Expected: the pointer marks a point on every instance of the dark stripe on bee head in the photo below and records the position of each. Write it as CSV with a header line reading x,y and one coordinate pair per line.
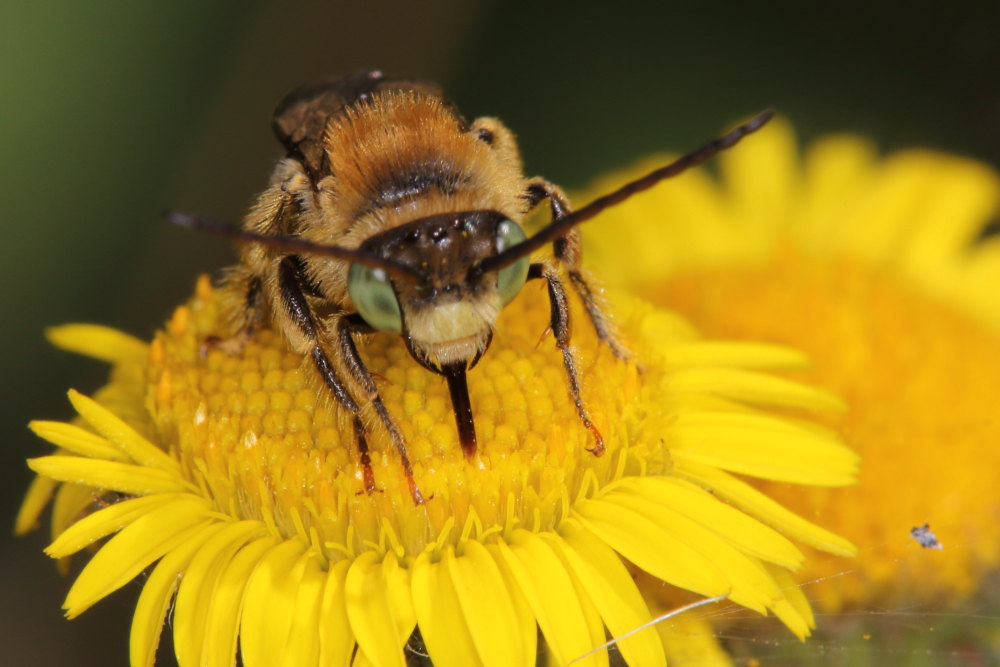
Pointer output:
x,y
401,187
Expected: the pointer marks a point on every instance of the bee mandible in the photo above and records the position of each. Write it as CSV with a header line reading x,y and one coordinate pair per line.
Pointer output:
x,y
391,213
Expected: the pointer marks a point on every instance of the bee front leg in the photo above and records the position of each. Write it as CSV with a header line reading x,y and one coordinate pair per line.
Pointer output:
x,y
290,291
560,325
345,326
568,251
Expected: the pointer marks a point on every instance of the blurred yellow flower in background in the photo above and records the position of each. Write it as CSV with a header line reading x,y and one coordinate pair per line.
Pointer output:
x,y
238,482
884,272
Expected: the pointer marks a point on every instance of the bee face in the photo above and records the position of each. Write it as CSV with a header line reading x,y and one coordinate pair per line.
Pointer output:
x,y
448,317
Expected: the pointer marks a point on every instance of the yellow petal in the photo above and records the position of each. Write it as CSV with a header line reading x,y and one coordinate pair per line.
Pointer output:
x,y
226,606
442,624
197,591
761,180
522,610
794,594
837,169
77,440
302,647
336,642
749,584
738,354
763,447
689,641
132,550
111,519
962,196
154,601
621,246
607,582
746,533
874,226
122,435
753,388
486,604
595,626
35,500
371,613
755,503
269,605
549,590
98,342
122,477
791,615
71,501
397,587
641,541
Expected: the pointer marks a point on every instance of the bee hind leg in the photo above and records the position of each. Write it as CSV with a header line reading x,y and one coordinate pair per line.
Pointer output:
x,y
560,325
568,251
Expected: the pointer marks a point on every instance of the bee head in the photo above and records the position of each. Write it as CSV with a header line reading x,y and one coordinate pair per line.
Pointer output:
x,y
447,316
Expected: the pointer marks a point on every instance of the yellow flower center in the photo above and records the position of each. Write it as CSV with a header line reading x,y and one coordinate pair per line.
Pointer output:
x,y
263,436
920,379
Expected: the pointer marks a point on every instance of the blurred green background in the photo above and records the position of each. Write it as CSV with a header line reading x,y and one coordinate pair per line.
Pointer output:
x,y
114,111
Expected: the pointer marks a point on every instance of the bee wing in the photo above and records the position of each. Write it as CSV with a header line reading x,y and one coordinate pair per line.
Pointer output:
x,y
301,118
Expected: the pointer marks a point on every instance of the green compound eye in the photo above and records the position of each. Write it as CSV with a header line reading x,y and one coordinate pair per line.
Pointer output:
x,y
512,277
374,298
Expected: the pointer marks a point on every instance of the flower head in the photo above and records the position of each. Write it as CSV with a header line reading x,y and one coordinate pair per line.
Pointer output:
x,y
243,487
877,269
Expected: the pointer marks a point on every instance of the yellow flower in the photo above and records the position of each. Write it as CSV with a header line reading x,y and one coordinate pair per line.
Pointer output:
x,y
240,479
876,269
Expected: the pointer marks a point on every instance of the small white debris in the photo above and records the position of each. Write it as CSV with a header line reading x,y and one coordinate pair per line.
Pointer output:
x,y
925,537
200,413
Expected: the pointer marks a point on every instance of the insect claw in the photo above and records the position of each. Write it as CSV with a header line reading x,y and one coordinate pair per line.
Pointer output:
x,y
545,333
207,345
598,448
418,498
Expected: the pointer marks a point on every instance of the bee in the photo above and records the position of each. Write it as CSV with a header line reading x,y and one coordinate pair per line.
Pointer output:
x,y
391,213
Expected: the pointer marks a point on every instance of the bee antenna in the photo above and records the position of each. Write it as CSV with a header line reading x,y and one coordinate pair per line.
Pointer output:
x,y
295,245
560,226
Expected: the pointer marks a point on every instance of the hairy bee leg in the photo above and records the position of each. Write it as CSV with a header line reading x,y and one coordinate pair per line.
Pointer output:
x,y
568,251
301,314
560,325
345,326
242,310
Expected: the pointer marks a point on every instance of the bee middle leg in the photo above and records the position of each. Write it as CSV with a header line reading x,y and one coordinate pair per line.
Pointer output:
x,y
290,285
560,325
568,251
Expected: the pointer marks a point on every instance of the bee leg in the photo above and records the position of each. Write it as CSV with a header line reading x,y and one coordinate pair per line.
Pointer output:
x,y
569,252
300,312
345,326
242,308
560,325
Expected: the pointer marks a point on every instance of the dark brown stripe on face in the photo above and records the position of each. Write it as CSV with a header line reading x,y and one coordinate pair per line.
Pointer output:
x,y
401,187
